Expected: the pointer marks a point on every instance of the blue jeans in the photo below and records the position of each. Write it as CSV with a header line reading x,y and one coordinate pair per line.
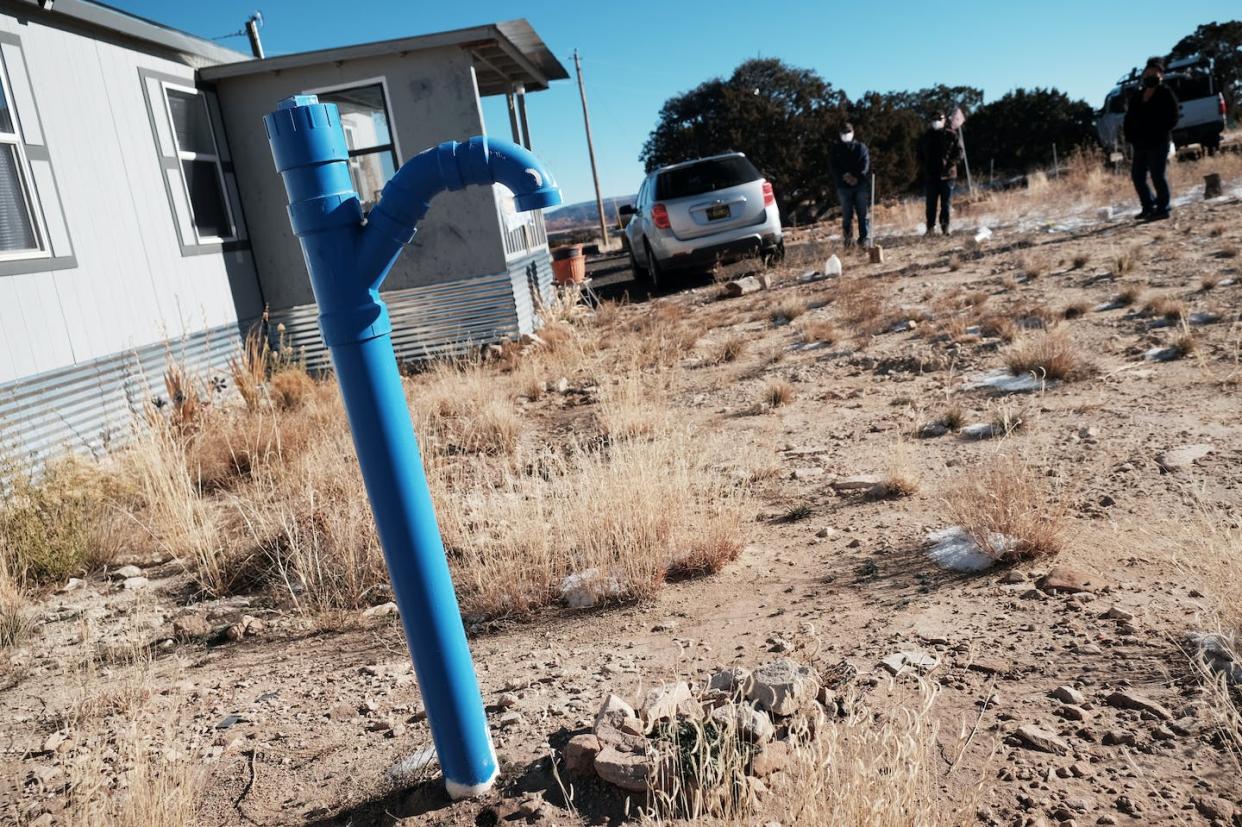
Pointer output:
x,y
1153,161
938,191
855,199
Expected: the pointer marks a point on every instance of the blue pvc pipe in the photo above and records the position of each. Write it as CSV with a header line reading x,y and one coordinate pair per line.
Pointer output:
x,y
347,262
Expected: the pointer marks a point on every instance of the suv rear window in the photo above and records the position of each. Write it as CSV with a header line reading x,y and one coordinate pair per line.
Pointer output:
x,y
705,176
1190,87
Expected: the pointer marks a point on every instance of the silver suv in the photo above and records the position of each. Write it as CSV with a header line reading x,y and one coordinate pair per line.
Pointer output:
x,y
697,213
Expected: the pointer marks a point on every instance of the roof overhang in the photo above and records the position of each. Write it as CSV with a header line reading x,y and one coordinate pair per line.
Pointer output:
x,y
193,51
505,55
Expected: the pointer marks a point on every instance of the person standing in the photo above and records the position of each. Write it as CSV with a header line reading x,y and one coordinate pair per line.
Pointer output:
x,y
939,152
1152,113
851,165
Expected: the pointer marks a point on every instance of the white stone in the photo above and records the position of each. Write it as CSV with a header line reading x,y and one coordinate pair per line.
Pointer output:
x,y
667,702
126,572
954,549
587,588
783,687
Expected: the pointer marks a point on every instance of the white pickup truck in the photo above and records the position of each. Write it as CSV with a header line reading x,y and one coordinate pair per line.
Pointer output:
x,y
1201,106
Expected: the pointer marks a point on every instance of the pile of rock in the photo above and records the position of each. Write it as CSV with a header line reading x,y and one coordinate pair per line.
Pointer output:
x,y
628,748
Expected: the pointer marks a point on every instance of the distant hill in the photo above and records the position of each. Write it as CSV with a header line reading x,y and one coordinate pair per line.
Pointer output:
x,y
583,214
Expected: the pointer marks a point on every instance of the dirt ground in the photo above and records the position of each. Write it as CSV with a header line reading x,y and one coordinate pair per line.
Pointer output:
x,y
293,726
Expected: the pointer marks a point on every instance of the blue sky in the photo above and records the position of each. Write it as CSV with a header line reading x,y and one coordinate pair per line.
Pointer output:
x,y
638,53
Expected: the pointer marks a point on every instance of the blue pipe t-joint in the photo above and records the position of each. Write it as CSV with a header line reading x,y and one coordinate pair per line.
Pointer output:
x,y
347,262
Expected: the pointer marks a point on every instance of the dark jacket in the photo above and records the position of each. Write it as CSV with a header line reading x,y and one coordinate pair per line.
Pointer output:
x,y
1149,124
938,152
851,158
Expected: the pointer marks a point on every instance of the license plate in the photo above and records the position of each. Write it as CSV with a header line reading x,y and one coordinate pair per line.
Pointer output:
x,y
717,212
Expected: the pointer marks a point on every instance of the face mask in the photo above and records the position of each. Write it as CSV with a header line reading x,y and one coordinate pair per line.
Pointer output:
x,y
846,137
1151,81
938,123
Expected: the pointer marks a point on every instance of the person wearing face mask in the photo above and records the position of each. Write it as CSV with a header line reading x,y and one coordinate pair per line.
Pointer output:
x,y
939,152
851,166
1152,113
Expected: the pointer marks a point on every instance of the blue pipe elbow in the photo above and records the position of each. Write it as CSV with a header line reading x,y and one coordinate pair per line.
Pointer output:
x,y
450,166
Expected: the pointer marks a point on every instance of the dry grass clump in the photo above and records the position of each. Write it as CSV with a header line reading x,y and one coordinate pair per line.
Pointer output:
x,y
861,305
17,622
1184,343
461,405
291,387
59,522
628,408
1229,251
787,309
777,393
899,477
1166,307
730,350
1080,260
1209,282
659,338
955,263
954,417
610,509
872,768
1032,267
1049,355
818,330
1125,261
1075,310
999,327
1009,510
1129,295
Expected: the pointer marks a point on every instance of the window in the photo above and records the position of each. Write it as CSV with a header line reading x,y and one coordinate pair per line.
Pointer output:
x,y
19,226
372,150
199,158
705,176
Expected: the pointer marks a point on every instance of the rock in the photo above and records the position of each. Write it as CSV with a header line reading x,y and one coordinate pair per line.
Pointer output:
x,y
1182,457
773,758
1133,700
562,385
134,583
70,585
859,482
506,700
126,572
1040,739
990,666
1069,695
735,680
823,532
627,765
531,806
510,719
191,626
1128,806
579,753
979,430
1067,580
742,287
750,723
1118,613
587,588
1219,652
667,702
1012,577
55,740
783,687
932,430
1072,713
1118,738
1214,808
916,660
613,713
382,610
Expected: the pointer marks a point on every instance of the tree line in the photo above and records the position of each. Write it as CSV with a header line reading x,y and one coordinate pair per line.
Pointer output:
x,y
785,119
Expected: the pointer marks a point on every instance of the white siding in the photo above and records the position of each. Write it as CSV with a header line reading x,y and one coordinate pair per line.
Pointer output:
x,y
131,286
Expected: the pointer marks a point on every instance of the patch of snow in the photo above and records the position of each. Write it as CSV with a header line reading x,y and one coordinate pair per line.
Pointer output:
x,y
953,549
1002,381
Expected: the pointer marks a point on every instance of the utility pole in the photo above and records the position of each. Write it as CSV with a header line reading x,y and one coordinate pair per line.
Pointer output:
x,y
252,31
586,119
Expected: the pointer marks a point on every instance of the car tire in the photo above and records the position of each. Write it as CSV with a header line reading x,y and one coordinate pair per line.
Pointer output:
x,y
655,272
776,255
640,272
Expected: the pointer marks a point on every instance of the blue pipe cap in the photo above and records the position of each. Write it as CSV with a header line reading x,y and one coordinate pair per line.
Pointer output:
x,y
538,199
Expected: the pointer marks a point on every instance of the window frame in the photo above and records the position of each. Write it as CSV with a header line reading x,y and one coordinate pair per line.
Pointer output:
x,y
215,159
394,145
25,179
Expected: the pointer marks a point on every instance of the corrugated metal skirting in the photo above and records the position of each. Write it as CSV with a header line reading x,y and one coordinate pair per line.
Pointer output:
x,y
439,319
91,406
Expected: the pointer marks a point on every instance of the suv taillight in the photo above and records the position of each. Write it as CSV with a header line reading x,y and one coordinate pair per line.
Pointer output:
x,y
769,197
1221,98
659,214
